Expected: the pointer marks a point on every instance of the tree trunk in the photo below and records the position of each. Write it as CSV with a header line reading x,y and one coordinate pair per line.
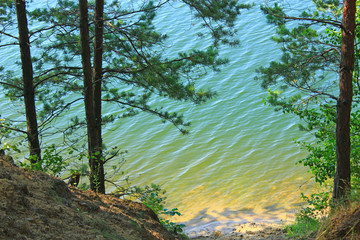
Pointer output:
x,y
97,82
342,178
28,84
93,114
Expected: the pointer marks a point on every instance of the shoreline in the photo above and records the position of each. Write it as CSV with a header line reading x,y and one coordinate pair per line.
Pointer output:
x,y
249,230
234,226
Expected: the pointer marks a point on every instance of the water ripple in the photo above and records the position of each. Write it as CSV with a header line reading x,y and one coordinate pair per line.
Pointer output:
x,y
239,156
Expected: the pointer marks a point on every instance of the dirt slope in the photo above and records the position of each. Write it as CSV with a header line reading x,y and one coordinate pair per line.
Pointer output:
x,y
34,205
344,225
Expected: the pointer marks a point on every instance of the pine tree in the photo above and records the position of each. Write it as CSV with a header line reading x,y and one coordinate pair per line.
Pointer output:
x,y
309,57
129,65
32,81
27,83
92,92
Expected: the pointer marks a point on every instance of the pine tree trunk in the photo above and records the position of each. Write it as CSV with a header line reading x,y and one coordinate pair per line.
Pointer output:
x,y
97,82
92,109
342,182
28,84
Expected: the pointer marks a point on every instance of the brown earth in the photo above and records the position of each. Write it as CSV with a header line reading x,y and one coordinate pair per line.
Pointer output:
x,y
344,225
34,205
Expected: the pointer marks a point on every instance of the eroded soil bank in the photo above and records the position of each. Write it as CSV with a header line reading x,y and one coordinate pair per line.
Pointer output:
x,y
34,205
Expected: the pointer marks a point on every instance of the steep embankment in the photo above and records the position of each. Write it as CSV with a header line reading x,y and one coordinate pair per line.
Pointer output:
x,y
34,205
344,225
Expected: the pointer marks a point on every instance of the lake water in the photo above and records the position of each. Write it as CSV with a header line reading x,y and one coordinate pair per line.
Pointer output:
x,y
238,162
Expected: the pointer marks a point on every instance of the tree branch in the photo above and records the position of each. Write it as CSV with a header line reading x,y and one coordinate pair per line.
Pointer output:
x,y
9,35
331,22
55,114
11,85
149,111
14,129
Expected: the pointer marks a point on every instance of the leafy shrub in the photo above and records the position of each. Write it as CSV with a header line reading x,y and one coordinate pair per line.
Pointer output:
x,y
318,204
154,197
51,162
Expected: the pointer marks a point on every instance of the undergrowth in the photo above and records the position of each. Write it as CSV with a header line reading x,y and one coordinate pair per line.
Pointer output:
x,y
303,228
154,197
320,217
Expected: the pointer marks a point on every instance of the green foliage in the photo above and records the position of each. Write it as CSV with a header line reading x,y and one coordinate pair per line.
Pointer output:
x,y
6,131
318,205
135,56
51,162
274,15
305,75
303,228
7,10
141,72
219,17
153,196
172,226
310,54
320,119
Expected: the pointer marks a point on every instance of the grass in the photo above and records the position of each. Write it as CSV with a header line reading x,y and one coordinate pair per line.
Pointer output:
x,y
304,228
343,222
